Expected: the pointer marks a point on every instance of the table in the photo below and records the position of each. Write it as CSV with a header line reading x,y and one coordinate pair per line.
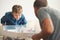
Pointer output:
x,y
14,34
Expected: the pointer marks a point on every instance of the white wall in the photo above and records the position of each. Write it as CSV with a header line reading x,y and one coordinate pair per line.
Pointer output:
x,y
28,11
54,4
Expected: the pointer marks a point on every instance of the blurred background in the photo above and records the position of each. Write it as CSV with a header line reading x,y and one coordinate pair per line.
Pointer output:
x,y
28,10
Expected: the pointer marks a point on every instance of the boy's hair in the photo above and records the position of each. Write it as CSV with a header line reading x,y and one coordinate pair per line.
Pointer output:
x,y
16,8
40,3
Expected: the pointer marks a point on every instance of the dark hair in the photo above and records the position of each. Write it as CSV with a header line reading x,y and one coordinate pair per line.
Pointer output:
x,y
40,3
16,8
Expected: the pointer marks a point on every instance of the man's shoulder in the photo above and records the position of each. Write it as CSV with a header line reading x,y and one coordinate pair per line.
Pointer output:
x,y
48,10
44,9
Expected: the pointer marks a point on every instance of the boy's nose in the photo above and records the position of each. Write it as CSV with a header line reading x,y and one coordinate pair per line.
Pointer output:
x,y
17,16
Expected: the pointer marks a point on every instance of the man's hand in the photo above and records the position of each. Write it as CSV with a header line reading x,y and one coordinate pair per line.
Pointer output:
x,y
35,37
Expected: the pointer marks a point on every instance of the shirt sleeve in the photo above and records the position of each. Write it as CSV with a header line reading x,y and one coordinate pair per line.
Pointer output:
x,y
43,14
3,19
24,21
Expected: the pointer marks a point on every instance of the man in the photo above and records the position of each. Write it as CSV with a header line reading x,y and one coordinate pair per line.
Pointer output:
x,y
15,17
49,21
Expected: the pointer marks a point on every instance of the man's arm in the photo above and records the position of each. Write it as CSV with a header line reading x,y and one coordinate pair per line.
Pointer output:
x,y
46,24
47,29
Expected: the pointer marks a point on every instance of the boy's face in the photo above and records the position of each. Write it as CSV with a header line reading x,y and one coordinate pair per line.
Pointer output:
x,y
17,15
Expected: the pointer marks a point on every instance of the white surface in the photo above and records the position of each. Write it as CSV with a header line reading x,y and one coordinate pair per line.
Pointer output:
x,y
19,35
24,32
20,29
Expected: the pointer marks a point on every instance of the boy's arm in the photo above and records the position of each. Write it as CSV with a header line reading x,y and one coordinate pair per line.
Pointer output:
x,y
24,20
3,20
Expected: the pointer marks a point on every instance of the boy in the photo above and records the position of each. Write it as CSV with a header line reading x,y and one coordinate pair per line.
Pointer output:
x,y
15,17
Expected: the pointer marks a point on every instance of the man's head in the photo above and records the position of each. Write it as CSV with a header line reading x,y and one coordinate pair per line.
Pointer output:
x,y
16,11
38,4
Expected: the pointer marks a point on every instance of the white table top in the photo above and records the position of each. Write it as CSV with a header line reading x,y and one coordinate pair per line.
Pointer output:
x,y
27,32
